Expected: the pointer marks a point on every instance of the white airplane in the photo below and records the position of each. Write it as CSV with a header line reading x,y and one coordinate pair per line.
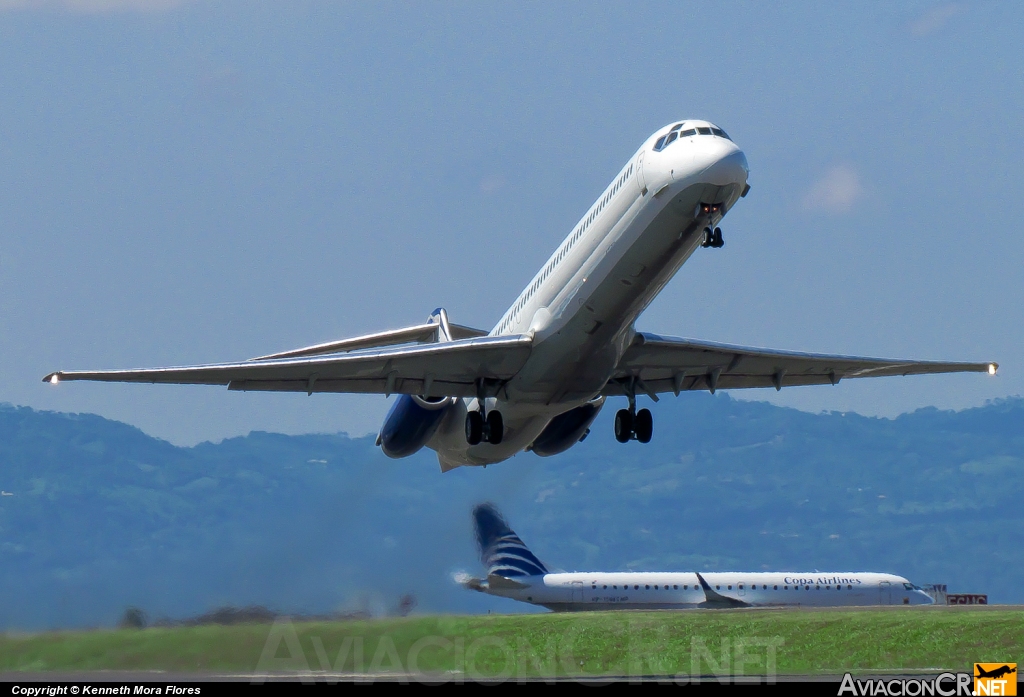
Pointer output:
x,y
514,572
538,379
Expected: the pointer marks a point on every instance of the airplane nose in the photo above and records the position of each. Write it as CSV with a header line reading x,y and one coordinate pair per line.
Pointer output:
x,y
723,162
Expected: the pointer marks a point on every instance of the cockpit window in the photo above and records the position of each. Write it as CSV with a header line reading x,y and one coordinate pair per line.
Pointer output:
x,y
675,133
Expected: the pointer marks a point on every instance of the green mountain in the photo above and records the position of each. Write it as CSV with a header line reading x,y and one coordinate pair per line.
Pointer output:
x,y
101,516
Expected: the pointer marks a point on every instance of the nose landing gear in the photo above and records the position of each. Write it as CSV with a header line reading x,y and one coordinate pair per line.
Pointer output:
x,y
482,425
713,238
712,235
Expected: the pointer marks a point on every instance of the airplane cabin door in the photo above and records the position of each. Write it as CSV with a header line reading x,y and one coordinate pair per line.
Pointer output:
x,y
641,183
884,593
577,591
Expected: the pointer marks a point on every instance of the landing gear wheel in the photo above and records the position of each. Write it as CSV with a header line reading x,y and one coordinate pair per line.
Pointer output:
x,y
716,238
709,238
623,425
643,425
495,427
474,428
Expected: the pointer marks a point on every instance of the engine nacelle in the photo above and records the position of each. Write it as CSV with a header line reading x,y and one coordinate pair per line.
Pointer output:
x,y
566,430
411,422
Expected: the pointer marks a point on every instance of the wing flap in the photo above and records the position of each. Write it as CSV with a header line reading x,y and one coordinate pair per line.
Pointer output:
x,y
670,364
443,369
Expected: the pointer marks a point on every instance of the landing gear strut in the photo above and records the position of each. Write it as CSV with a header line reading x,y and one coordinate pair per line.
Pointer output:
x,y
482,425
631,424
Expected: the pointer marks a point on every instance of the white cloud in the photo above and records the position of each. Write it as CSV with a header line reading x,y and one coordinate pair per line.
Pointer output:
x,y
94,6
934,19
836,192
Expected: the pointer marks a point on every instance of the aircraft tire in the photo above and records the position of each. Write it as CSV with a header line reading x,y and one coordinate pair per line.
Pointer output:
x,y
623,425
474,428
643,426
716,239
495,427
708,238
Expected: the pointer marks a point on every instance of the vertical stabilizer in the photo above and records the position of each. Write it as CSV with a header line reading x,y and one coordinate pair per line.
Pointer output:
x,y
501,550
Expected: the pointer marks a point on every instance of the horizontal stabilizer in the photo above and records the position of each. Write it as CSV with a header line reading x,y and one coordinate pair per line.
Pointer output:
x,y
504,583
421,333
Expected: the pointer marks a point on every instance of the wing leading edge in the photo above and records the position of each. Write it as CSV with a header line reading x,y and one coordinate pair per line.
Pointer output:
x,y
657,364
449,369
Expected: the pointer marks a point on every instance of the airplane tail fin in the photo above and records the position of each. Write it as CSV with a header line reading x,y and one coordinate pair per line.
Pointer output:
x,y
501,550
444,331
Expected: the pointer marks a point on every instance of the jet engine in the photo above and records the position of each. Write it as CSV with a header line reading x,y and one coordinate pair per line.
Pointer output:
x,y
567,429
411,422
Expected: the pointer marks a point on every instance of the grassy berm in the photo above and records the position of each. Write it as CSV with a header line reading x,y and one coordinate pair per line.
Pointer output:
x,y
744,642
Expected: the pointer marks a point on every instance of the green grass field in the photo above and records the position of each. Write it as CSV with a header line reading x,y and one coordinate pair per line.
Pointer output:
x,y
743,642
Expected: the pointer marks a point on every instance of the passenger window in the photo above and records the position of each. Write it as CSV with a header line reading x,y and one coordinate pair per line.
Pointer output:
x,y
775,587
785,588
741,586
704,131
675,586
730,587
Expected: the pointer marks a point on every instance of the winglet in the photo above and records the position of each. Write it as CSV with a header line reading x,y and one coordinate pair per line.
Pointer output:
x,y
52,378
714,599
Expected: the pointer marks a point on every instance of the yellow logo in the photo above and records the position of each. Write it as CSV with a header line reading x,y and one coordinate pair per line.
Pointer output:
x,y
995,679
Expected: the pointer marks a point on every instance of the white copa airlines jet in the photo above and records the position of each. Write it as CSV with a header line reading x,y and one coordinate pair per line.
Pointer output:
x,y
514,572
537,380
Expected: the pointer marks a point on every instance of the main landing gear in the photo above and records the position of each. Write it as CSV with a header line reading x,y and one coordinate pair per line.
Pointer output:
x,y
631,424
482,425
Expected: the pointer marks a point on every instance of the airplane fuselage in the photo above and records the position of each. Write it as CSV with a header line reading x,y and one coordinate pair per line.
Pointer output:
x,y
668,590
582,305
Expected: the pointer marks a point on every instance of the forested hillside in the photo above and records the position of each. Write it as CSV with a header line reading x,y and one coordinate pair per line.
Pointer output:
x,y
97,516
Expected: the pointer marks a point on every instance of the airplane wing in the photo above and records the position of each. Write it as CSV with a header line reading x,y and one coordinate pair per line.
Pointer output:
x,y
448,369
655,364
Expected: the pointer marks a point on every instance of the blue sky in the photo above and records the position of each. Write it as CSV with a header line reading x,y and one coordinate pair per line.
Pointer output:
x,y
189,182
